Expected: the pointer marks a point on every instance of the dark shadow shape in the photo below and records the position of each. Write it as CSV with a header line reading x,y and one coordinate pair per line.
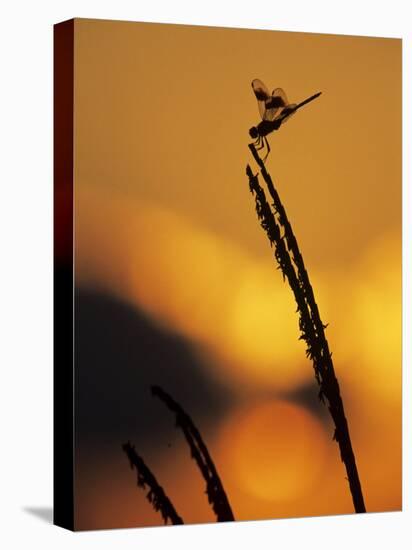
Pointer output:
x,y
120,352
43,513
307,396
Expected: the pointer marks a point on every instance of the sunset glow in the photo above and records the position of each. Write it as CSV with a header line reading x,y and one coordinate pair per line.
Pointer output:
x,y
166,234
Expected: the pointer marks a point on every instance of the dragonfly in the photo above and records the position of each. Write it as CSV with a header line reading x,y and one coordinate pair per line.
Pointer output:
x,y
274,110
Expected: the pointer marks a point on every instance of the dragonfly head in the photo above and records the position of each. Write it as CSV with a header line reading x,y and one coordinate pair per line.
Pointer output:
x,y
253,132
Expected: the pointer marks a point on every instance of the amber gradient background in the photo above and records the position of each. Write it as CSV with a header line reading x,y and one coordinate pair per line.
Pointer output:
x,y
165,228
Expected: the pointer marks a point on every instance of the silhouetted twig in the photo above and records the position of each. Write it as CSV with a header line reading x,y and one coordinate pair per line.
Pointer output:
x,y
289,258
216,494
156,495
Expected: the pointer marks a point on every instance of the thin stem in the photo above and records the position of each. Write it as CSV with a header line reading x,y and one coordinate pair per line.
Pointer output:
x,y
156,495
214,488
290,260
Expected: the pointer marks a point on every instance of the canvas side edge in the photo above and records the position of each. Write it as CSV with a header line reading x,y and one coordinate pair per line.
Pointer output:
x,y
63,421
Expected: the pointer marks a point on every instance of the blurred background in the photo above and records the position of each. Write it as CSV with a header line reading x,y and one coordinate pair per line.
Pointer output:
x,y
176,284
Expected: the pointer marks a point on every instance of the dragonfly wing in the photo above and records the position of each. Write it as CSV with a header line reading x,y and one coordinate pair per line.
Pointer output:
x,y
262,95
280,93
287,112
275,104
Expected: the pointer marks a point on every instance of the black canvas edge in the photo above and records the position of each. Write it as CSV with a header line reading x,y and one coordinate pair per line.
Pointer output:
x,y
63,387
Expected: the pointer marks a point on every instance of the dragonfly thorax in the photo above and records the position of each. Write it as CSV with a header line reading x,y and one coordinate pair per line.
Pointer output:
x,y
264,128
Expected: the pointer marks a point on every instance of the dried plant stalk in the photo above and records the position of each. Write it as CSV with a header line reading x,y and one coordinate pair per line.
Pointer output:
x,y
290,261
156,495
214,488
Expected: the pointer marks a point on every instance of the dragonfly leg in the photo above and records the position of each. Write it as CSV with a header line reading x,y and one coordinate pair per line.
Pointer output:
x,y
260,144
268,148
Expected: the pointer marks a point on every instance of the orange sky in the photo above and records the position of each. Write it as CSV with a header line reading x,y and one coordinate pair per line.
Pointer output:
x,y
164,220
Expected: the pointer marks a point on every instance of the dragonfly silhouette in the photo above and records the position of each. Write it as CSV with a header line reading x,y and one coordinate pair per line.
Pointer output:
x,y
274,110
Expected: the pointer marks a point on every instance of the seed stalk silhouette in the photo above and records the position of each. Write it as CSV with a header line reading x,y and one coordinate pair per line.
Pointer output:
x,y
156,494
290,261
214,488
